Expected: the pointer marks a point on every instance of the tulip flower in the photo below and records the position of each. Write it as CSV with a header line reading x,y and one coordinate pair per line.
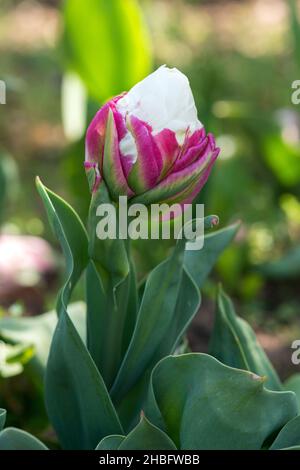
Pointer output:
x,y
149,145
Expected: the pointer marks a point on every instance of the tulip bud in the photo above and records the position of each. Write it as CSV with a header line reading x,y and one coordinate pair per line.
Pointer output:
x,y
149,145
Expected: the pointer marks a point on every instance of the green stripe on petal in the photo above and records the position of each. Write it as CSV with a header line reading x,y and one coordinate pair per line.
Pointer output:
x,y
147,168
112,166
174,183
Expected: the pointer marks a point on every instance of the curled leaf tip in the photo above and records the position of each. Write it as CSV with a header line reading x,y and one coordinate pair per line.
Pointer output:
x,y
259,378
215,221
37,180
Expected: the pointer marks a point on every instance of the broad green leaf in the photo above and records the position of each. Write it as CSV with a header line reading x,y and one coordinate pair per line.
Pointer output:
x,y
146,436
107,44
100,310
215,406
97,312
200,263
132,306
38,331
289,435
110,443
15,439
153,321
291,448
109,275
71,235
77,400
234,343
2,418
109,255
293,384
186,306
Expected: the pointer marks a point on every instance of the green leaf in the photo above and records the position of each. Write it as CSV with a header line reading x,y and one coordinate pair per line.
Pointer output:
x,y
146,436
186,306
293,384
71,235
96,314
110,443
115,53
77,400
291,448
289,435
197,266
109,255
132,306
15,439
234,343
200,263
153,321
109,275
214,406
2,418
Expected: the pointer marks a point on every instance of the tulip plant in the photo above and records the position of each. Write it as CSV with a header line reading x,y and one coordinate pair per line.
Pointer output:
x,y
126,381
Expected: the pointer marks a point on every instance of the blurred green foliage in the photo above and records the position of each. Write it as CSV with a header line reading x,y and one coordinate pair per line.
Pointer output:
x,y
107,44
9,183
241,61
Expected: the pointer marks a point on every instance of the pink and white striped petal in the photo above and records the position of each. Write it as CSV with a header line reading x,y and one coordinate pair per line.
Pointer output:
x,y
148,165
177,182
112,170
169,149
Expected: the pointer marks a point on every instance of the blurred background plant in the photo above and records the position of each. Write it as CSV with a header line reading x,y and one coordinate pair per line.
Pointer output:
x,y
62,60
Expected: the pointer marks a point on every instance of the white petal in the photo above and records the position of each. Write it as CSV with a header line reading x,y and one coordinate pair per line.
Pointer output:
x,y
128,147
164,100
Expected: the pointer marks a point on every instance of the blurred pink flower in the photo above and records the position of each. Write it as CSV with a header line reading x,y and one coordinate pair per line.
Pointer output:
x,y
24,262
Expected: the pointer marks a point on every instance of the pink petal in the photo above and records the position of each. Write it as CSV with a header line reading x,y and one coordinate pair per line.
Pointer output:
x,y
148,166
182,183
191,192
95,135
193,154
169,148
